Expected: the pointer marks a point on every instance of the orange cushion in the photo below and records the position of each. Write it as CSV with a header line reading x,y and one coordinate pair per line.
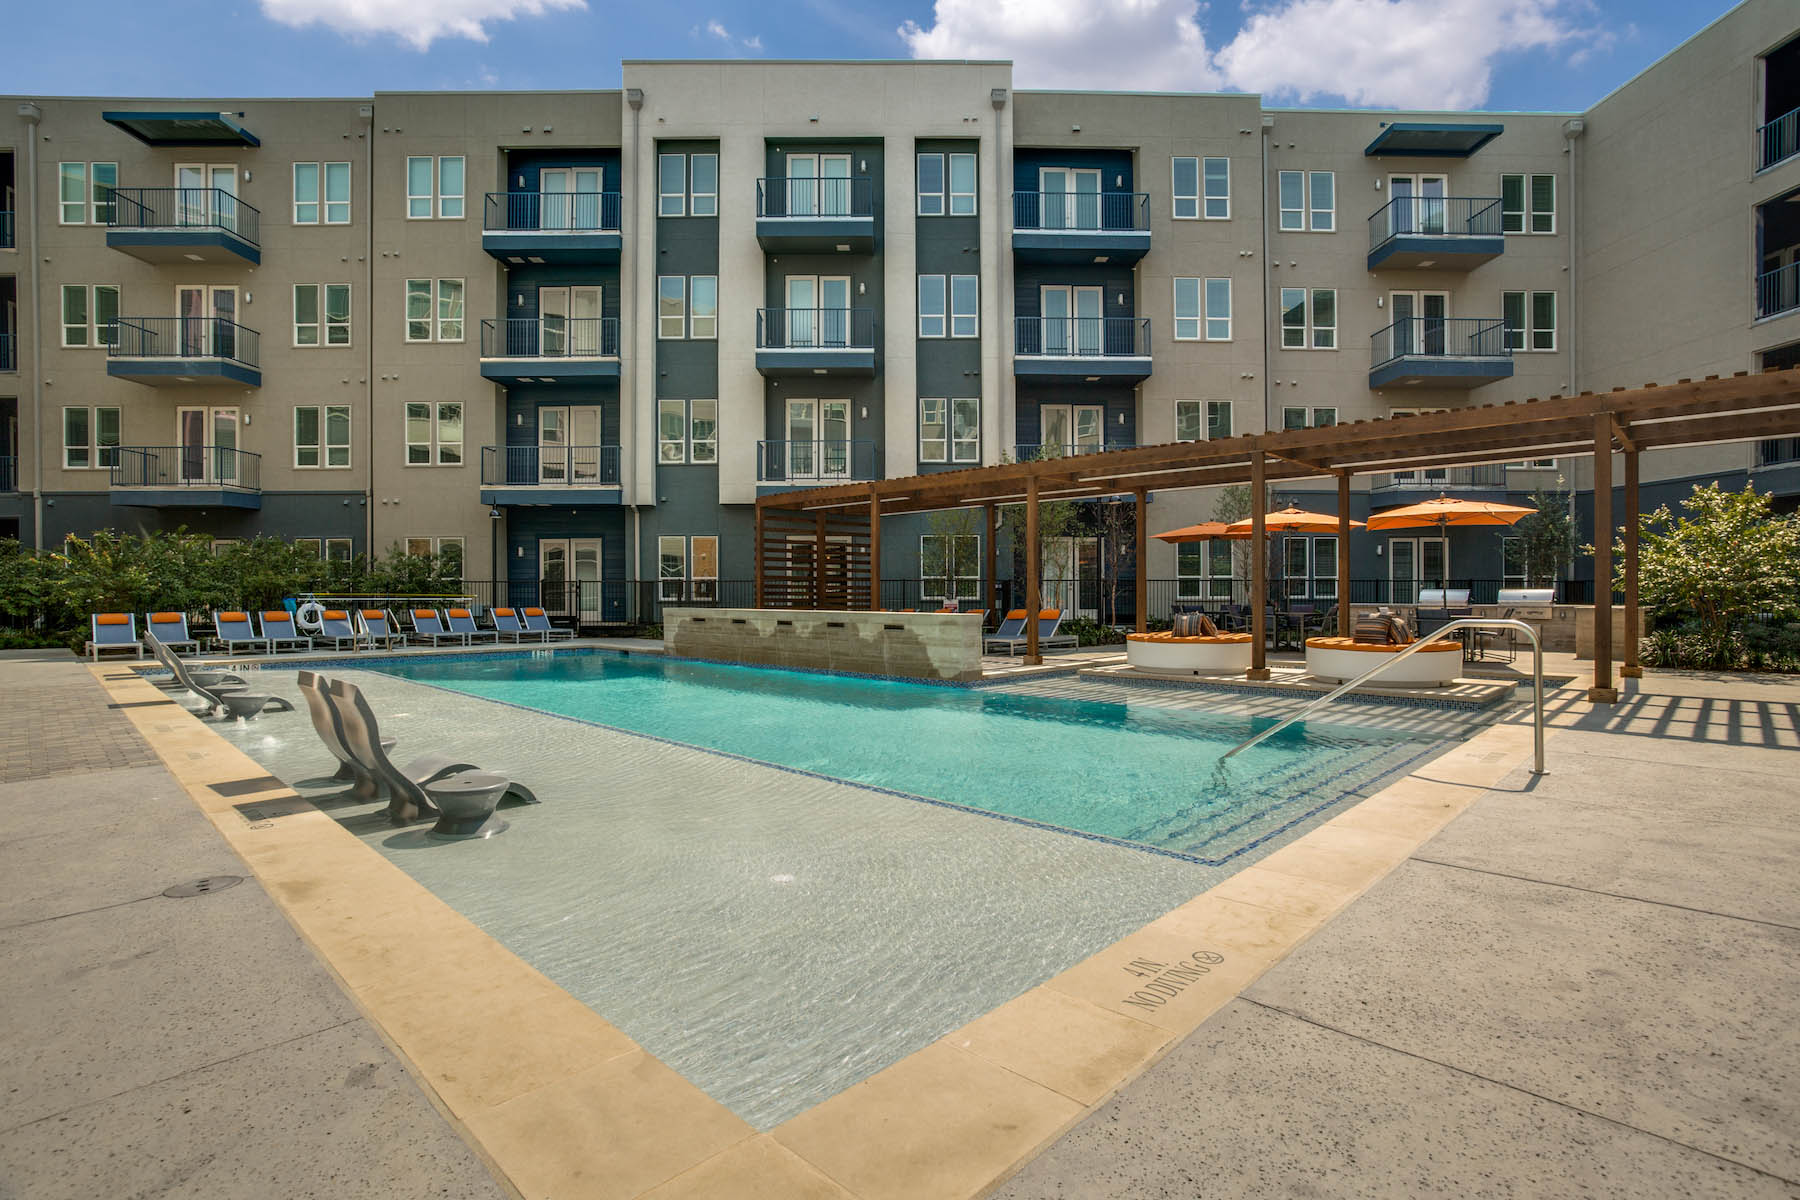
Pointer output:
x,y
280,618
459,613
333,614
1049,614
534,612
1017,614
372,614
234,616
503,612
112,619
1343,643
424,614
165,618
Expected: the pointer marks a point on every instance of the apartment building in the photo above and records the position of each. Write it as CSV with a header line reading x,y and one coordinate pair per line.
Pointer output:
x,y
574,336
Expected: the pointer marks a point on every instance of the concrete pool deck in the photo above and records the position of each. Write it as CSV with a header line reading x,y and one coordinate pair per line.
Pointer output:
x,y
563,1105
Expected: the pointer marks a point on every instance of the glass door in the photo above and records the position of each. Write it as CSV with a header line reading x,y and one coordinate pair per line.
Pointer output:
x,y
1054,305
1070,198
834,438
802,429
1090,328
207,317
208,194
553,445
190,435
569,198
1419,321
208,439
802,185
1071,576
834,185
1071,428
553,575
1055,429
834,310
1414,563
1090,429
1416,203
553,322
584,558
224,441
584,445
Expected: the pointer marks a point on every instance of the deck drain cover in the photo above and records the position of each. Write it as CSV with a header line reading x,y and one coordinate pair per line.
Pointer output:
x,y
201,887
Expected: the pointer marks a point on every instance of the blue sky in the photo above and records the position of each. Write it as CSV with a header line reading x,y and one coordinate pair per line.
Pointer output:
x,y
1500,54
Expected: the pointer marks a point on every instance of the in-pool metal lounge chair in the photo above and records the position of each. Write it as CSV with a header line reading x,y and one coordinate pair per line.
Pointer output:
x,y
170,628
463,621
538,621
112,631
378,626
180,678
1011,627
508,626
235,704
329,727
278,627
427,626
334,627
407,799
234,630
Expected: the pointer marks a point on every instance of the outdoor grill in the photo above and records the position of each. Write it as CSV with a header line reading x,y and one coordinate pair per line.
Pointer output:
x,y
1532,604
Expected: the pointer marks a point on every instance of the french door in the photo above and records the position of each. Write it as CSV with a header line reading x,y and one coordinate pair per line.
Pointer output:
x,y
818,185
208,194
569,198
1070,320
569,322
1071,576
818,310
1420,321
208,441
1070,197
208,321
1071,428
1414,563
818,434
569,445
569,577
1416,203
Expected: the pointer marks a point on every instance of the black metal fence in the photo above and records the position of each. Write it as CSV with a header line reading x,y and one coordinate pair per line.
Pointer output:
x,y
551,212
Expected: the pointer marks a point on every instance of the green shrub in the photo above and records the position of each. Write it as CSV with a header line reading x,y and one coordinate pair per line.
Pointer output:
x,y
1090,632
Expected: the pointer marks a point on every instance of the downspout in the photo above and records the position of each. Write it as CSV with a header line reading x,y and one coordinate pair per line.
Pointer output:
x,y
367,113
31,114
1573,128
1268,123
634,99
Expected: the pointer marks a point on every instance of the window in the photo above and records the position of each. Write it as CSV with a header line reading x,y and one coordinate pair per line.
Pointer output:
x,y
965,303
932,303
946,185
934,430
90,314
671,431
1218,419
1203,570
420,324
671,306
334,316
965,430
962,185
1185,183
1324,318
314,546
703,431
434,435
424,184
671,176
90,438
1295,417
950,430
1218,188
671,566
322,436
931,185
949,566
450,310
1308,318
1528,203
322,192
1310,567
1187,420
1307,200
1291,188
705,193
687,431
703,293
1530,320
687,565
78,203
1187,310
1218,310
1293,318
448,549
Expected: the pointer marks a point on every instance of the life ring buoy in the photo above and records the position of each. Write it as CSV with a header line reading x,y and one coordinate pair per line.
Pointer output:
x,y
310,617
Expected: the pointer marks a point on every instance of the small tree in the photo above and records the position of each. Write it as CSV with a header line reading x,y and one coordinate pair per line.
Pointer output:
x,y
951,550
1544,542
1233,504
1116,523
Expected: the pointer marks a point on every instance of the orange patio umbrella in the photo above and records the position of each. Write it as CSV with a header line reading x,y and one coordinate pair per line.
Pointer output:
x,y
1445,512
1204,531
1293,520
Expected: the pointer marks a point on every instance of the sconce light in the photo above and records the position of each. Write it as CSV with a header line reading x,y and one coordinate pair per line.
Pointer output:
x,y
494,513
1379,301
1121,418
1378,185
1118,181
246,418
519,419
862,289
249,297
519,300
247,176
521,181
862,166
519,552
865,412
1121,297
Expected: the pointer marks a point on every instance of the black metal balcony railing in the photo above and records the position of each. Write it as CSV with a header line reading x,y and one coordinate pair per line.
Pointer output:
x,y
839,460
550,466
550,337
1775,452
552,212
187,466
1779,140
1488,475
1103,212
1031,451
9,360
6,230
1082,337
815,329
816,198
1435,216
9,474
184,337
1778,291
184,208
1440,337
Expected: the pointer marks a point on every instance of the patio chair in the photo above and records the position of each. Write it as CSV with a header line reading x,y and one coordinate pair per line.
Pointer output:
x,y
508,626
238,706
170,628
463,621
327,724
1049,621
538,621
407,799
180,678
278,627
378,626
1011,626
233,629
112,631
428,626
334,627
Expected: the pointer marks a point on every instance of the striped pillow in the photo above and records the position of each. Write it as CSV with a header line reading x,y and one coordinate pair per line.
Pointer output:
x,y
1375,629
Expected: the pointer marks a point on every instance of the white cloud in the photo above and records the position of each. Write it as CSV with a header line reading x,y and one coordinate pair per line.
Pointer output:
x,y
416,22
752,44
1401,53
1147,45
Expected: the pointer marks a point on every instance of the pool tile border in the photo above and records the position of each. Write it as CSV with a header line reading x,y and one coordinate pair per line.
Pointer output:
x,y
953,1119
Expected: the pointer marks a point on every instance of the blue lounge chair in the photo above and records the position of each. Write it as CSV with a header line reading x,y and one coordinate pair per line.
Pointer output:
x,y
378,626
234,630
112,631
508,626
279,630
538,621
1049,621
463,621
170,628
427,626
334,627
1011,627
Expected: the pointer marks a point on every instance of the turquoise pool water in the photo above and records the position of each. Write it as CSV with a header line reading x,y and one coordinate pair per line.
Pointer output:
x,y
1142,775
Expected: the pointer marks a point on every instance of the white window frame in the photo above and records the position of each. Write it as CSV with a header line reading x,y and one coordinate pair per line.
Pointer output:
x,y
436,446
1207,198
1527,214
437,202
426,197
1184,206
322,326
440,322
323,448
97,455
1309,329
934,412
960,552
1524,337
671,451
957,198
1217,406
322,204
95,333
669,586
1306,218
1314,328
965,322
965,429
1196,413
1285,211
695,195
1191,319
94,207
436,296
703,326
1211,318
664,331
925,197
1312,203
663,196
941,284
446,199
703,449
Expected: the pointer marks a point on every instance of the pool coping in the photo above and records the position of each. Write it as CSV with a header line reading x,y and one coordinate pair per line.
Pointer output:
x,y
560,1102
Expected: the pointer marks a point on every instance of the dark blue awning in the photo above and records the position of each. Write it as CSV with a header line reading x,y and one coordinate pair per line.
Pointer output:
x,y
1432,139
182,128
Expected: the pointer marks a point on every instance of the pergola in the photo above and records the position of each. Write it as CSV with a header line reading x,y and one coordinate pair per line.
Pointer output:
x,y
821,547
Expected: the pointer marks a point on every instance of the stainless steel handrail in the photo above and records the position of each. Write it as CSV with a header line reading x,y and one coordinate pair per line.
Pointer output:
x,y
1537,682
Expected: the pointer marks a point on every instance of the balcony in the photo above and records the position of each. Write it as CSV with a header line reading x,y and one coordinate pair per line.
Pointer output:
x,y
1488,477
184,225
1440,352
9,352
1778,291
1081,227
553,350
802,464
815,341
186,477
1442,233
1116,349
816,216
184,351
1772,452
1032,451
561,475
9,474
551,227
1778,141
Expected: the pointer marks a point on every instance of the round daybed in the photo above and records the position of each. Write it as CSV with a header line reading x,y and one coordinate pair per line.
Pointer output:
x,y
1340,659
1225,653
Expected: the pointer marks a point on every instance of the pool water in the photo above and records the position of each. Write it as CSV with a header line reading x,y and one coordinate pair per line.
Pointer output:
x,y
1150,777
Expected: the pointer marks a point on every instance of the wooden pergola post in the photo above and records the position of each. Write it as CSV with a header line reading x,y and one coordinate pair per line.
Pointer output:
x,y
757,559
1032,567
874,551
993,557
1633,618
1345,624
1142,597
1259,571
1603,691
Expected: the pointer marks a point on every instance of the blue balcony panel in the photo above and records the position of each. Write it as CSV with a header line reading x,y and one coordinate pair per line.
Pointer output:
x,y
565,371
1432,252
184,372
815,341
1114,349
564,476
1440,352
186,497
563,228
570,351
1444,233
184,352
1072,229
560,247
569,497
214,247
1431,139
815,216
